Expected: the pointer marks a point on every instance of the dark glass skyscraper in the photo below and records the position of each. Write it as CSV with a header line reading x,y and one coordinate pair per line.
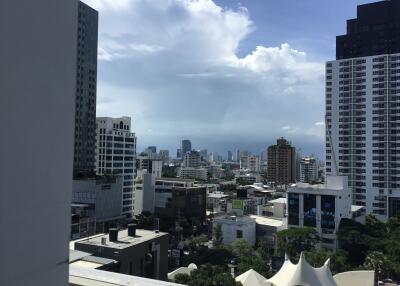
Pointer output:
x,y
85,105
375,31
186,147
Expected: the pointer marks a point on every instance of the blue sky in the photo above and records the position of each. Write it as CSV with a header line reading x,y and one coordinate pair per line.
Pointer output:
x,y
226,74
308,25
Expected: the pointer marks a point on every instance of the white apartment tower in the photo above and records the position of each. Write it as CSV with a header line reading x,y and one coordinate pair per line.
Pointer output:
x,y
116,154
308,170
363,108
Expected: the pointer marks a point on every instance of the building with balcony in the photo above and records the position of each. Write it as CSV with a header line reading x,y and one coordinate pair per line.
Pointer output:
x,y
116,155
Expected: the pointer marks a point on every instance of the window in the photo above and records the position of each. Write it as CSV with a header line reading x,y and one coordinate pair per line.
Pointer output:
x,y
239,233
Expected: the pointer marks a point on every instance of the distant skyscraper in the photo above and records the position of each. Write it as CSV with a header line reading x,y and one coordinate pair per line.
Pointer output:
x,y
281,162
362,108
116,154
237,158
191,159
186,147
153,149
204,154
179,153
164,156
85,94
230,156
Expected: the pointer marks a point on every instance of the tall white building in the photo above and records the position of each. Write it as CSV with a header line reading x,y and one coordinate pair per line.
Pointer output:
x,y
308,170
116,154
363,108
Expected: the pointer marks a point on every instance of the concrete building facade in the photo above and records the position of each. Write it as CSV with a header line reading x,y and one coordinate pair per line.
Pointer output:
x,y
236,227
321,206
116,155
38,55
308,170
281,167
362,114
141,253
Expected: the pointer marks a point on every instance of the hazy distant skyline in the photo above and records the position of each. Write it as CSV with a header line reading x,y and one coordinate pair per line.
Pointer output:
x,y
225,74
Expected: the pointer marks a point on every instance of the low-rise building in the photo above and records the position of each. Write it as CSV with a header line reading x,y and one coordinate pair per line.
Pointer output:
x,y
144,192
267,227
321,206
96,205
177,199
236,227
276,208
138,252
192,173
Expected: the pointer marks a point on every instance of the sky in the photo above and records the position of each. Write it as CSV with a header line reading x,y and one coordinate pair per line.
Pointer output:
x,y
225,74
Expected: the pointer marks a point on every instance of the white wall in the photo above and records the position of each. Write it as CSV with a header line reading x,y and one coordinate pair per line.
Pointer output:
x,y
37,102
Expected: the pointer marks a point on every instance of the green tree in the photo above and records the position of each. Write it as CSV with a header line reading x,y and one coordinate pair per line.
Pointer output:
x,y
256,263
265,248
295,240
207,275
242,248
217,236
145,220
380,263
338,259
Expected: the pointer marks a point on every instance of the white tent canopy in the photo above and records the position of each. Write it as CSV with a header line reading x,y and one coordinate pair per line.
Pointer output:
x,y
251,278
303,274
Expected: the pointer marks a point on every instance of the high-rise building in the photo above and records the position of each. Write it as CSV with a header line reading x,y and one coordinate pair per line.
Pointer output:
x,y
281,163
85,94
152,149
179,153
230,156
37,96
163,155
116,154
191,159
308,170
186,147
362,114
204,154
237,158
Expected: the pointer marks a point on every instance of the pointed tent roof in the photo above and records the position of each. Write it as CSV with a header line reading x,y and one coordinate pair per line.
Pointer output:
x,y
251,278
303,274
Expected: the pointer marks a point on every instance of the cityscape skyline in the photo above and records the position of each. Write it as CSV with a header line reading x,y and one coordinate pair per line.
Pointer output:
x,y
239,69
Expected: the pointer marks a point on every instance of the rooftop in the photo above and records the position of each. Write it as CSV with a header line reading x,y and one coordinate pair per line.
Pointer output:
x,y
278,200
93,277
124,240
267,221
217,195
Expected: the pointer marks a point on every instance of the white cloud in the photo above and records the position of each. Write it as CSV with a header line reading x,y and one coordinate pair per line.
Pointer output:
x,y
319,123
173,66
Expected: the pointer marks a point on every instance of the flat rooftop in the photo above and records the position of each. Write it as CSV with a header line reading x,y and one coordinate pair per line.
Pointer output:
x,y
124,241
80,275
217,195
278,200
267,221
